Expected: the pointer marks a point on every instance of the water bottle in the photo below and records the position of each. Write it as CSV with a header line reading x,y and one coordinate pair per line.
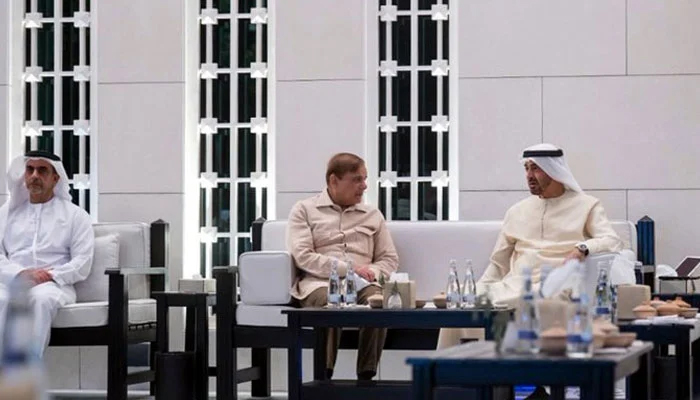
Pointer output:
x,y
453,293
527,323
18,348
334,286
469,287
21,369
544,273
350,285
579,339
603,306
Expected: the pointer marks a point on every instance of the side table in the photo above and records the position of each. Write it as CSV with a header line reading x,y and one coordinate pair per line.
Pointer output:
x,y
196,331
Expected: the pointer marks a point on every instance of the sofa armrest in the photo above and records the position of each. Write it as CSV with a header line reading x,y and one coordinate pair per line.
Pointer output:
x,y
266,277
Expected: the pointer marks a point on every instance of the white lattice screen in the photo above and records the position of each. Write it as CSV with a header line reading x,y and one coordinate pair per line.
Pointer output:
x,y
234,181
57,85
415,143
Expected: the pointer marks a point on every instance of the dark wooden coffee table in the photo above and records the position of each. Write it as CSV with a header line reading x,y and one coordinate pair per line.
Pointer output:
x,y
478,364
320,319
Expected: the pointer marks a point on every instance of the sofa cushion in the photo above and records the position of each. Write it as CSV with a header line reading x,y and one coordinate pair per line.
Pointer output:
x,y
134,251
96,286
95,313
255,315
266,277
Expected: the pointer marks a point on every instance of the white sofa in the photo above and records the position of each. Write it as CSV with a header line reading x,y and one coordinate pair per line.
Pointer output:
x,y
90,338
424,249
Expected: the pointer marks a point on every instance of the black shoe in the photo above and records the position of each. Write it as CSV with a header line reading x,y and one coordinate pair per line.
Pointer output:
x,y
366,375
538,394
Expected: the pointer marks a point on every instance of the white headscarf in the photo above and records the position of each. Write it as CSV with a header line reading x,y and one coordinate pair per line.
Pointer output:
x,y
551,160
15,178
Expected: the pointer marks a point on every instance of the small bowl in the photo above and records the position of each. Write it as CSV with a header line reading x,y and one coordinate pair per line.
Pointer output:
x,y
688,312
376,301
644,311
553,341
680,302
622,339
440,301
668,309
420,303
606,327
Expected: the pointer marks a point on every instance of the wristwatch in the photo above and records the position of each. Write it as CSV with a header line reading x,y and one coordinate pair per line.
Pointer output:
x,y
583,249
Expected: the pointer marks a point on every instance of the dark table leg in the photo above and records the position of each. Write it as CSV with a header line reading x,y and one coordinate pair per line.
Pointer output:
x,y
294,358
422,386
602,386
190,318
162,325
321,337
684,385
641,381
201,333
557,392
696,368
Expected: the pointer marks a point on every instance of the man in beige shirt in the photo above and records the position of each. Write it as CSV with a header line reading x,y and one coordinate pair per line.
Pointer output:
x,y
557,223
333,225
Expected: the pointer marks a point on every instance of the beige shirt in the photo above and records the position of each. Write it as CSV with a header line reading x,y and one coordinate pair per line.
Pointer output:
x,y
319,230
539,232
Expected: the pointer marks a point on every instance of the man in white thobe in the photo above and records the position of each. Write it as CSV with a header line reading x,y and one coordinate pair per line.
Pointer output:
x,y
557,223
45,239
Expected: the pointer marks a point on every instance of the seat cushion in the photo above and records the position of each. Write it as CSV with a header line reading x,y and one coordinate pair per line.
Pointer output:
x,y
96,286
95,314
261,315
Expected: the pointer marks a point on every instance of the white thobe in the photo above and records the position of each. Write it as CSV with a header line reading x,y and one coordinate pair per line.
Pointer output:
x,y
539,232
57,235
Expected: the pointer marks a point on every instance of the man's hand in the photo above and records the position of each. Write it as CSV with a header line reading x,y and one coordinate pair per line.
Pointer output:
x,y
365,272
575,254
37,276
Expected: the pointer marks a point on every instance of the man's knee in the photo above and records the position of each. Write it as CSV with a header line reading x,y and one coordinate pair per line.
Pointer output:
x,y
317,298
368,291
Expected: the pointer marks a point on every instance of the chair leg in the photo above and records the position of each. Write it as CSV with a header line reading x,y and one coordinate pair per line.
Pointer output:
x,y
260,358
116,371
152,366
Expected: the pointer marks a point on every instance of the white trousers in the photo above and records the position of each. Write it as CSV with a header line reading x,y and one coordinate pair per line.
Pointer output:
x,y
45,300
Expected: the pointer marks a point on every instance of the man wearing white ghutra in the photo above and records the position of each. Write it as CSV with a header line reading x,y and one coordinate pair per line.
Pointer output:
x,y
45,239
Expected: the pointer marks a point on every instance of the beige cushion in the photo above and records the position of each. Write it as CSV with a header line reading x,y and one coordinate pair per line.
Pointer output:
x,y
96,313
96,286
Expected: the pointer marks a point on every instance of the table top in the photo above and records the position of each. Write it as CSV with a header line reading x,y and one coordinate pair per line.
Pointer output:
x,y
485,351
174,298
477,363
396,318
663,333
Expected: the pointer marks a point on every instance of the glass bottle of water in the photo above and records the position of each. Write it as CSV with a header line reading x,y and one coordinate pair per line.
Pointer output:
x,y
21,368
527,323
469,287
334,286
603,306
350,285
453,294
579,339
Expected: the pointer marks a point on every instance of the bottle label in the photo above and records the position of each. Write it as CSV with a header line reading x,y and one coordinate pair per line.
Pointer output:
x,y
524,334
334,298
469,298
579,339
602,310
350,298
452,298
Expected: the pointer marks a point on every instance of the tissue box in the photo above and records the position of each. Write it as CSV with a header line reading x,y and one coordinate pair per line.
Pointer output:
x,y
196,285
629,297
407,291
